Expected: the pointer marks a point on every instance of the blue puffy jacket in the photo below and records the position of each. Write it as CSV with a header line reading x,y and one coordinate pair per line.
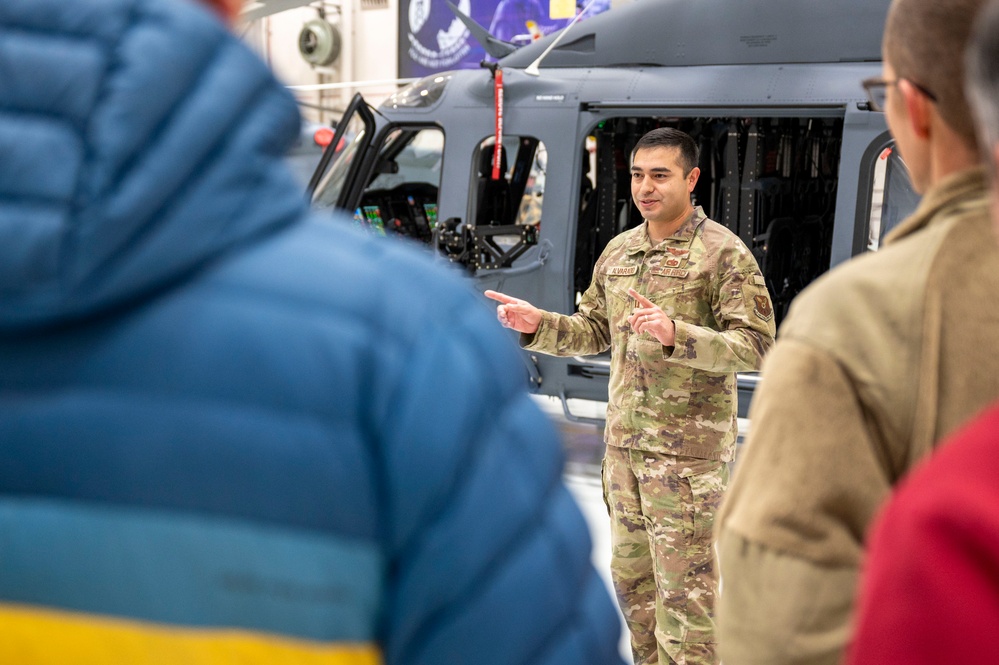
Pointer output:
x,y
232,432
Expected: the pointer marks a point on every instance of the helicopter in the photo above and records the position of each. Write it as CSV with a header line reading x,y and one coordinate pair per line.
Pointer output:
x,y
519,171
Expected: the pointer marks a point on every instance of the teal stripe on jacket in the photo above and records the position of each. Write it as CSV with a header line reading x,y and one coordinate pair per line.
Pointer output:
x,y
188,569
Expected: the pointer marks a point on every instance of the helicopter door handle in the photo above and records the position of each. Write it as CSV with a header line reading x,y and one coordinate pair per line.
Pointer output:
x,y
544,251
571,417
593,372
590,368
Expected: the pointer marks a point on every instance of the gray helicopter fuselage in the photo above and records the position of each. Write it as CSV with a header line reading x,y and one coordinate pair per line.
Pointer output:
x,y
793,160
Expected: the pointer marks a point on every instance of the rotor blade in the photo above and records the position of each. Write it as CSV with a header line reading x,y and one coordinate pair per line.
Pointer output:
x,y
494,47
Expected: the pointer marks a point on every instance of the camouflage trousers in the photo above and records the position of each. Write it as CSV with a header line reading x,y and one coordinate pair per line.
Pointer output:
x,y
662,510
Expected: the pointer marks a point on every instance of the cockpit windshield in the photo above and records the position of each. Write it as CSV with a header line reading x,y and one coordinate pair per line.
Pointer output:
x,y
422,93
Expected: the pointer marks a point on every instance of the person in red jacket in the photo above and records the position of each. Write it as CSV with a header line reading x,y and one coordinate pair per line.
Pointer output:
x,y
929,591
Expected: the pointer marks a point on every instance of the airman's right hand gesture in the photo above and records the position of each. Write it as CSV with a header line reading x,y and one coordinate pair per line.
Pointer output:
x,y
516,314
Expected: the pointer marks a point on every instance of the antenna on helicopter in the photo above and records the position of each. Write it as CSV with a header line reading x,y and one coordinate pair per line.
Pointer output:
x,y
532,68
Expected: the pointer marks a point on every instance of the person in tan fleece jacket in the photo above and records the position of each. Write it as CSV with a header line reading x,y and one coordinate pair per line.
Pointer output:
x,y
876,363
928,592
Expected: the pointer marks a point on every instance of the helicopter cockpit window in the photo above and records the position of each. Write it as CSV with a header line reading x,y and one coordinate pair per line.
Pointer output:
x,y
508,194
515,194
402,194
892,196
529,211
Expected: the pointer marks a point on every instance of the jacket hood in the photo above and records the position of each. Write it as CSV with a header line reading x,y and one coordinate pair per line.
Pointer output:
x,y
139,140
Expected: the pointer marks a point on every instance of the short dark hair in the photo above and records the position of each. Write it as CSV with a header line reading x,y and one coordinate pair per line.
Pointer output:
x,y
668,137
924,41
982,65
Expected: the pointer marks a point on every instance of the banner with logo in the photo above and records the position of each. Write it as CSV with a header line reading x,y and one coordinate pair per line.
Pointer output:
x,y
432,39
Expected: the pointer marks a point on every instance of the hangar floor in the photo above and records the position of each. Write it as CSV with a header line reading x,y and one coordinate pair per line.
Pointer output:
x,y
584,446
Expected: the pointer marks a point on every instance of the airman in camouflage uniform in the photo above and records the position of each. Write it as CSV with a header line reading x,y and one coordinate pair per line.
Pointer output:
x,y
682,305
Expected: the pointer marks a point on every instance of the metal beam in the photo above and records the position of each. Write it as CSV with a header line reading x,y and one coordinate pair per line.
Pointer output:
x,y
256,9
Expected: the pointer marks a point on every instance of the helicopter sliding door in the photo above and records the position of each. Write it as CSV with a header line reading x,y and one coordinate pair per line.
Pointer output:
x,y
772,181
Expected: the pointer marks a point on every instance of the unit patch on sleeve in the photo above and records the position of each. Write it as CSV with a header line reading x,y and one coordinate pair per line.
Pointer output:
x,y
763,309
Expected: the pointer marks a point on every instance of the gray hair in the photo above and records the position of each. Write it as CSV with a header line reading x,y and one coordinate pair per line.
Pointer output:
x,y
982,77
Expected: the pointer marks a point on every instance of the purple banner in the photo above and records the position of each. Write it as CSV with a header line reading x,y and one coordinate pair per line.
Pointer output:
x,y
432,39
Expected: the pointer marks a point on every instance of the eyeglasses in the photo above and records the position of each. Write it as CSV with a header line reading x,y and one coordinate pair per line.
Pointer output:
x,y
877,90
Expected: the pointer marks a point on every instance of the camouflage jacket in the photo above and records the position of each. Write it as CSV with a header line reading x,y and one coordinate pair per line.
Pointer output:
x,y
681,399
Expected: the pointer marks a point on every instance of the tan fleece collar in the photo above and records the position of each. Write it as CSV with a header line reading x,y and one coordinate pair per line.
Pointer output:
x,y
958,190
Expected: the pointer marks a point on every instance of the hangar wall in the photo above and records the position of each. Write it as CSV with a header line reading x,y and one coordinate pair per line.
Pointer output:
x,y
368,57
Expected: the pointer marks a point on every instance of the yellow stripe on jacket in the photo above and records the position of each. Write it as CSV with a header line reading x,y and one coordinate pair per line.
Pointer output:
x,y
36,636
